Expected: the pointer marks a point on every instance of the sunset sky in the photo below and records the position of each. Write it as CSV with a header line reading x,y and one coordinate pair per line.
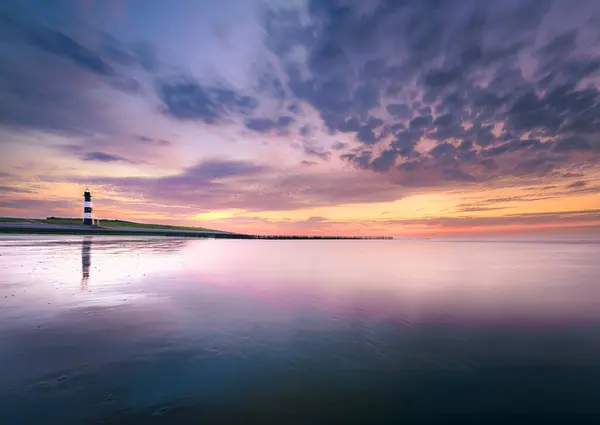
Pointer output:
x,y
349,117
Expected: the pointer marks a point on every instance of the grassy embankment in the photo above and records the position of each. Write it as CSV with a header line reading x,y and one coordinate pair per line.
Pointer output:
x,y
113,226
11,220
121,223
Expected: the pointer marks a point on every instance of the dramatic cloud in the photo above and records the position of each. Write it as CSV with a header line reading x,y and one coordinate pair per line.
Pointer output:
x,y
151,141
58,96
312,151
35,205
209,170
9,189
185,98
103,157
63,46
264,125
59,44
455,73
338,146
577,184
306,104
509,219
224,184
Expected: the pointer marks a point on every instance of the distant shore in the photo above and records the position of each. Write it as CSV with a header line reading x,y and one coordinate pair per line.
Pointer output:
x,y
37,228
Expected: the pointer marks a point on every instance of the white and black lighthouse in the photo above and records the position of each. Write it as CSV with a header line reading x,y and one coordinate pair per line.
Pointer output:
x,y
87,207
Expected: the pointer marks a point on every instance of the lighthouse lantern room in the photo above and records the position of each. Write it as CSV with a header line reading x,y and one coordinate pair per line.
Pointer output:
x,y
87,207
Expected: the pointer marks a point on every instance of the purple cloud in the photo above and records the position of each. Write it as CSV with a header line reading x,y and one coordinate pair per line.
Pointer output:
x,y
103,157
577,185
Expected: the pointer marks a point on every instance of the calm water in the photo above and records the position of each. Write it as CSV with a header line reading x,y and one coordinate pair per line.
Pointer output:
x,y
171,331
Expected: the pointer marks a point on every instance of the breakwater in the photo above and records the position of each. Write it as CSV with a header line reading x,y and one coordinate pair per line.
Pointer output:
x,y
57,229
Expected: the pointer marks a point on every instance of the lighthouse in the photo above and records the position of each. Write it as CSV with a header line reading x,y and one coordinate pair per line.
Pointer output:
x,y
87,207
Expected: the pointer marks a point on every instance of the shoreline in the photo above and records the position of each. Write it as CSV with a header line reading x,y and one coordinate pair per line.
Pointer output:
x,y
47,229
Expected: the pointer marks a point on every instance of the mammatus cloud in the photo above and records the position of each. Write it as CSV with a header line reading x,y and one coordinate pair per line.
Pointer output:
x,y
455,77
467,92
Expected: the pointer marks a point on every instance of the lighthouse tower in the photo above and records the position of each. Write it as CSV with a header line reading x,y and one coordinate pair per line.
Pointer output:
x,y
87,207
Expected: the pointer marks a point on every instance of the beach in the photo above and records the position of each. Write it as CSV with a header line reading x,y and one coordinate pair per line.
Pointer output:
x,y
154,330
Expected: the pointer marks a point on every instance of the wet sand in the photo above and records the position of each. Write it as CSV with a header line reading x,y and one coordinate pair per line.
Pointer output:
x,y
150,330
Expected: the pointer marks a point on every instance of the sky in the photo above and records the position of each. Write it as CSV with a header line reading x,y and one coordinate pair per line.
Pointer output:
x,y
309,117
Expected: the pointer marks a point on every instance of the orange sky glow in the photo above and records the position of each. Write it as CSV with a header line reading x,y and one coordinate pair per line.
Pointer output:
x,y
279,118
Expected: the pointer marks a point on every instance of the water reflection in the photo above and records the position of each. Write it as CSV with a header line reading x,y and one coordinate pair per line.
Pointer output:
x,y
86,261
178,331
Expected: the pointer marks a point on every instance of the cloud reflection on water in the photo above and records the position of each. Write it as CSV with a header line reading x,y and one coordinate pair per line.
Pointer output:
x,y
196,325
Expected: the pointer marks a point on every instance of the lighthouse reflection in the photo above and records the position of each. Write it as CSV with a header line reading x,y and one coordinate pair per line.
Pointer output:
x,y
86,261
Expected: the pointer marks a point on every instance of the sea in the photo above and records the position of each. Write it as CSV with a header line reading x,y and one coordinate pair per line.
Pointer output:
x,y
150,330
